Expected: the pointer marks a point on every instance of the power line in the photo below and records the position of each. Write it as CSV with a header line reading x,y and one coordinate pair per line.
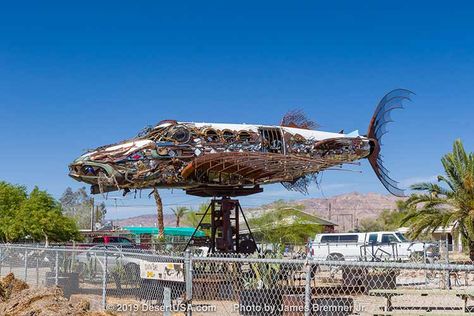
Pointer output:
x,y
169,204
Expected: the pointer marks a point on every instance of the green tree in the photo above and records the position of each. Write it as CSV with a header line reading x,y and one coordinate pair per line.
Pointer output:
x,y
11,197
386,220
193,217
78,205
285,224
448,202
43,219
370,225
179,212
36,215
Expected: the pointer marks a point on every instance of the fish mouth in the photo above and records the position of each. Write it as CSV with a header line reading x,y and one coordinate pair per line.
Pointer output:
x,y
100,176
90,172
110,162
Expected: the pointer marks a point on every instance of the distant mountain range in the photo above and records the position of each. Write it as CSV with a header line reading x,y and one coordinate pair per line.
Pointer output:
x,y
346,210
145,220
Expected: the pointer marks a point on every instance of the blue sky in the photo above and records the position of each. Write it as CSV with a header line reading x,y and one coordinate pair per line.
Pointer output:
x,y
75,75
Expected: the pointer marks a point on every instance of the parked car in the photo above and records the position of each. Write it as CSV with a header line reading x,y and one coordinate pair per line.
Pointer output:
x,y
91,262
371,246
121,242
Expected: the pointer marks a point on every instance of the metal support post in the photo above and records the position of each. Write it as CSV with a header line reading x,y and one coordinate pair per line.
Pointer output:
x,y
26,265
56,268
189,281
104,282
37,270
307,291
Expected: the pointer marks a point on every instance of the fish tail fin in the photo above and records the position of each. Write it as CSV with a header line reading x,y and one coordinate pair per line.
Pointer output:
x,y
378,128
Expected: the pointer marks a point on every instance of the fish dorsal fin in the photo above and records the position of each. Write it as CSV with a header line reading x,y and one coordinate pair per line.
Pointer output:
x,y
353,133
297,119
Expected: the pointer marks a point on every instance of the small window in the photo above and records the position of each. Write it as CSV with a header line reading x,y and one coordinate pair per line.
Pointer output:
x,y
124,240
348,238
179,134
389,238
228,135
329,239
401,237
332,239
372,238
113,240
98,240
211,135
243,136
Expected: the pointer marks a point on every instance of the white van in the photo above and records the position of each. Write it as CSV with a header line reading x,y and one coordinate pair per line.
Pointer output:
x,y
371,246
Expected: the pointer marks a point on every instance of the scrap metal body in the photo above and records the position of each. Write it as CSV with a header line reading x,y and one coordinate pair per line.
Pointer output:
x,y
208,158
188,155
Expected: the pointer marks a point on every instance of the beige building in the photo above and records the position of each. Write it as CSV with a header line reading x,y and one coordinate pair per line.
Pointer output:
x,y
443,234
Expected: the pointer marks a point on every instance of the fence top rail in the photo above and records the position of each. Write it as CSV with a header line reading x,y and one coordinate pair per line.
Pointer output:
x,y
399,265
360,264
384,292
96,251
308,261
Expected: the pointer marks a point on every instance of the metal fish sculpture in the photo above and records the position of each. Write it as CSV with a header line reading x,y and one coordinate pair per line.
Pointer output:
x,y
208,159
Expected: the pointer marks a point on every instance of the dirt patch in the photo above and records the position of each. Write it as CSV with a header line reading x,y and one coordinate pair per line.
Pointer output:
x,y
17,299
9,286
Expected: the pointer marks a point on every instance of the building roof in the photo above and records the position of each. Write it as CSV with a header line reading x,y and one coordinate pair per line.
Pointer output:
x,y
286,217
290,216
169,231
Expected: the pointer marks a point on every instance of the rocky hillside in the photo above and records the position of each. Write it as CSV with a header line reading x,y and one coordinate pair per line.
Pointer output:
x,y
145,220
345,210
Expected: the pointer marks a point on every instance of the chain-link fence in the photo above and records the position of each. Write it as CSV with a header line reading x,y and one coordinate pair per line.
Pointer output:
x,y
134,282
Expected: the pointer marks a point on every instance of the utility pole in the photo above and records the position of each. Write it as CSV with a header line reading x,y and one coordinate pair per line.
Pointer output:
x,y
97,216
343,216
92,214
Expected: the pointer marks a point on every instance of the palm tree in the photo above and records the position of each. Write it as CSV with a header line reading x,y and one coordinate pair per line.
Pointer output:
x,y
159,211
179,212
448,202
193,217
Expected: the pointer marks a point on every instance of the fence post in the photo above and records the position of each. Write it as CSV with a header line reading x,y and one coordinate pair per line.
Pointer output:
x,y
307,291
56,268
104,282
189,281
37,269
11,260
448,277
425,262
26,265
447,248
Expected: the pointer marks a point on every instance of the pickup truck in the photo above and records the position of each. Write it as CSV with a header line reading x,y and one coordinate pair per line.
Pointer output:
x,y
370,246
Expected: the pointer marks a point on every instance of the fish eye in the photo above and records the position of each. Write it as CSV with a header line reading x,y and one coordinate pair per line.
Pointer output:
x,y
89,170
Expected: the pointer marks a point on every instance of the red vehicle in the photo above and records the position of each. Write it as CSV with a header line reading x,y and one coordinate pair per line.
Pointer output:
x,y
118,241
114,240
